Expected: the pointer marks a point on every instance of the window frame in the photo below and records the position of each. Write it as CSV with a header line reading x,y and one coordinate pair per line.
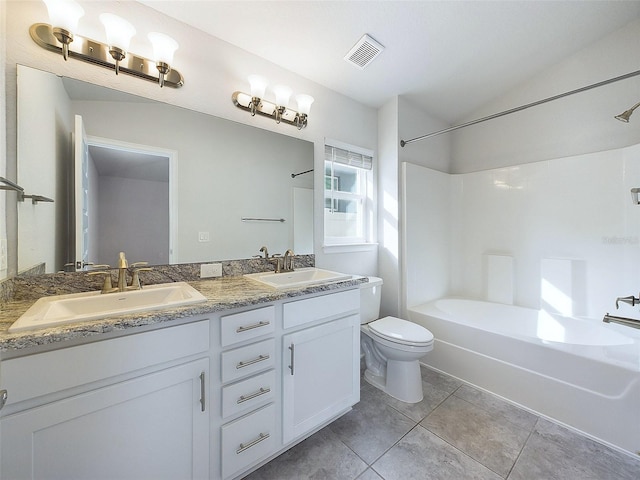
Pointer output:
x,y
364,199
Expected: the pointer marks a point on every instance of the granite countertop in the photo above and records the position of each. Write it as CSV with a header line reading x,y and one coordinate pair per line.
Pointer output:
x,y
223,293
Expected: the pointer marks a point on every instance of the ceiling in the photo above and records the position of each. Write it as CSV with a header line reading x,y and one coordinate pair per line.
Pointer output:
x,y
449,57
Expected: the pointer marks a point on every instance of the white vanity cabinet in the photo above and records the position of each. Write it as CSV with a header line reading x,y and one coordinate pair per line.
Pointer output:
x,y
320,363
130,407
212,398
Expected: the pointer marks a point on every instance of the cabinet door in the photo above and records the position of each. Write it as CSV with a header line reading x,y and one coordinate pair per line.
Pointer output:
x,y
320,374
151,427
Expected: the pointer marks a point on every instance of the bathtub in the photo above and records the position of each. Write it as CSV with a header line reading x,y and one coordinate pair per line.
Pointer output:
x,y
580,372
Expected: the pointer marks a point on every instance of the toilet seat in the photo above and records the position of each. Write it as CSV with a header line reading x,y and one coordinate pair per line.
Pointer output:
x,y
401,331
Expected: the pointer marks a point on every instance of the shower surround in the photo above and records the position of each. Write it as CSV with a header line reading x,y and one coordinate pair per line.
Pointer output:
x,y
568,224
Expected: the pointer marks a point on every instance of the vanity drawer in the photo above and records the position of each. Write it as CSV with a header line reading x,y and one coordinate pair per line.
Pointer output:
x,y
248,360
248,394
319,308
247,325
248,439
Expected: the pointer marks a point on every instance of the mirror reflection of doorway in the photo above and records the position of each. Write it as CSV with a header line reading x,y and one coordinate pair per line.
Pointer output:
x,y
129,203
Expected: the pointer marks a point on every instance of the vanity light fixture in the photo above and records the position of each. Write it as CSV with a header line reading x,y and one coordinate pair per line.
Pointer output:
x,y
279,111
59,37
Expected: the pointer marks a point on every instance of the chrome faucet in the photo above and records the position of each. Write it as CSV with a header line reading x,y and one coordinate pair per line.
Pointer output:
x,y
123,268
288,261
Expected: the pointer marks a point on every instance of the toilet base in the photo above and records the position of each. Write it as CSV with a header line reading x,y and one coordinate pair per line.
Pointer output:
x,y
405,384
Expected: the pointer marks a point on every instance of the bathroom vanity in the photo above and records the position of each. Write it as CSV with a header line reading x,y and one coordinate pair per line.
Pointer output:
x,y
211,391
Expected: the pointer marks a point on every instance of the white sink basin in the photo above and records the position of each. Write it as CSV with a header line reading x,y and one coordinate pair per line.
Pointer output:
x,y
76,307
301,277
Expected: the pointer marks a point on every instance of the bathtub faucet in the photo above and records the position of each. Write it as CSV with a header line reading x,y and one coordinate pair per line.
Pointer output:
x,y
631,300
628,322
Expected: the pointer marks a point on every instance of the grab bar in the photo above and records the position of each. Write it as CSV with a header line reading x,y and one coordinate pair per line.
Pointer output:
x,y
627,322
253,219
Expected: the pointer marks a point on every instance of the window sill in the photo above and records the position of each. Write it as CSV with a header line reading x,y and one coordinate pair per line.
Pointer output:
x,y
350,247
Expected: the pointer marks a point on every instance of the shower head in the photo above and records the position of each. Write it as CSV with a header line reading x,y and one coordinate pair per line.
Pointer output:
x,y
624,116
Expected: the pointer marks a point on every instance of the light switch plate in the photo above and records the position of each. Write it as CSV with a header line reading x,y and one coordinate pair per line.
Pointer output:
x,y
203,236
209,270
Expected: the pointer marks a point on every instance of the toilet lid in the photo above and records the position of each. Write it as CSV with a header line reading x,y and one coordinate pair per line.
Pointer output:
x,y
401,331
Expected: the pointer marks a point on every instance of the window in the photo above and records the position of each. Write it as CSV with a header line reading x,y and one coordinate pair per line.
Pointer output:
x,y
348,189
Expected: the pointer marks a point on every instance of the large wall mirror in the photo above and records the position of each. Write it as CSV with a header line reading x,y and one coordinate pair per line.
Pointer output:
x,y
162,183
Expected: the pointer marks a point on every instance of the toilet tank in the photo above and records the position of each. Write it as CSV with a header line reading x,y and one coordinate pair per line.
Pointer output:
x,y
370,295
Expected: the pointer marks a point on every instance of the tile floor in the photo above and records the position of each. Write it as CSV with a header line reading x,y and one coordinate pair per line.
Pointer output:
x,y
457,432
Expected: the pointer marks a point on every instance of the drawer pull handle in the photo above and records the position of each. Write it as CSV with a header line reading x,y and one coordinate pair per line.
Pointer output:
x,y
262,391
261,437
244,328
260,358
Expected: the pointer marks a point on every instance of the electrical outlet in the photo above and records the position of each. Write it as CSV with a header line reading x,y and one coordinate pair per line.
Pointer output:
x,y
209,270
3,254
203,236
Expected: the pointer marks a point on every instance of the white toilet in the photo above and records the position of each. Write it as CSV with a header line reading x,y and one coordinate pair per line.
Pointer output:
x,y
392,347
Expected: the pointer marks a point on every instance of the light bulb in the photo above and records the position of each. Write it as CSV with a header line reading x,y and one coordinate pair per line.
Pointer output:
x,y
258,85
119,31
304,103
282,93
64,14
163,47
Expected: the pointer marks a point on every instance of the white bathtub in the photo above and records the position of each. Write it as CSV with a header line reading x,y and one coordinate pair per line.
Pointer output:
x,y
583,373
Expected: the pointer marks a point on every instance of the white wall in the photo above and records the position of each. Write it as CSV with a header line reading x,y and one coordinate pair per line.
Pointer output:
x,y
130,207
574,125
399,119
45,141
388,208
213,70
434,153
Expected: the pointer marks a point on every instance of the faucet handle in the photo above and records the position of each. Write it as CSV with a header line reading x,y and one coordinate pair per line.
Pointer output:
x,y
100,266
107,286
138,264
631,300
135,277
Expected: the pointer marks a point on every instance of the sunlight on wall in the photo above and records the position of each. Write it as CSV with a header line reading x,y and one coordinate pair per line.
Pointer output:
x,y
390,224
555,298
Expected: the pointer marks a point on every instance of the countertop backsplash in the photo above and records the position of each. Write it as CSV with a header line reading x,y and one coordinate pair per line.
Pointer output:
x,y
32,287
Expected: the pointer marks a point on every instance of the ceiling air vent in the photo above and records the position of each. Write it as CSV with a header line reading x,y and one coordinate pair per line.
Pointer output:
x,y
363,52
